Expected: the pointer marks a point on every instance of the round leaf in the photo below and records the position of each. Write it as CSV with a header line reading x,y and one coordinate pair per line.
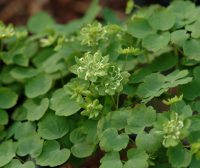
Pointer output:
x,y
62,104
82,150
155,42
52,155
31,145
17,164
52,127
38,85
35,110
7,152
112,141
111,159
139,27
162,19
3,117
8,98
191,49
179,156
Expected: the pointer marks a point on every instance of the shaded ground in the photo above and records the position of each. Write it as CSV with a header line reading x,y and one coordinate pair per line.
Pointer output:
x,y
18,11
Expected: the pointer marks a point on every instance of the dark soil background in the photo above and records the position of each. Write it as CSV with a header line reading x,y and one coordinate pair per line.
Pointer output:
x,y
18,11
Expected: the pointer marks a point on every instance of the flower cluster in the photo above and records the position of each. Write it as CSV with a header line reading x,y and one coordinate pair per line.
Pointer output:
x,y
92,108
6,32
91,34
113,82
91,66
77,89
172,131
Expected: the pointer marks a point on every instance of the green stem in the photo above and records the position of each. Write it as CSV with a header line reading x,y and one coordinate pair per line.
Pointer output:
x,y
117,104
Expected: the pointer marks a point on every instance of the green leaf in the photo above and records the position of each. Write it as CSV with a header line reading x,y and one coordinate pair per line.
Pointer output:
x,y
7,152
136,159
140,117
23,73
19,114
179,37
162,19
139,75
111,159
30,145
191,91
52,155
155,84
40,22
62,104
38,85
191,49
194,163
36,109
155,42
52,127
120,141
83,149
149,142
17,164
8,98
184,12
3,117
194,29
163,62
21,130
179,156
181,109
139,28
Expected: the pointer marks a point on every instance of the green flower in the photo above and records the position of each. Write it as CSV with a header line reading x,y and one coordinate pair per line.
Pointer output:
x,y
172,130
113,82
92,66
77,89
195,149
91,34
92,108
6,32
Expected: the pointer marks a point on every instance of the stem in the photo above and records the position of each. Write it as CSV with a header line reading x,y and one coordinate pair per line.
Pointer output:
x,y
113,101
117,104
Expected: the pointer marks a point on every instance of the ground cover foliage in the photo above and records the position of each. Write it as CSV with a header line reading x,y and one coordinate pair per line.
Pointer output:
x,y
129,89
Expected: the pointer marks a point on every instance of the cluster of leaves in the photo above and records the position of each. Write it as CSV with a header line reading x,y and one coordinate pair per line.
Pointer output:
x,y
128,89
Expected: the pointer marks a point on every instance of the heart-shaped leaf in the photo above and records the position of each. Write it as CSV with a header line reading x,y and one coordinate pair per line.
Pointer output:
x,y
52,155
35,110
111,159
17,164
112,141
